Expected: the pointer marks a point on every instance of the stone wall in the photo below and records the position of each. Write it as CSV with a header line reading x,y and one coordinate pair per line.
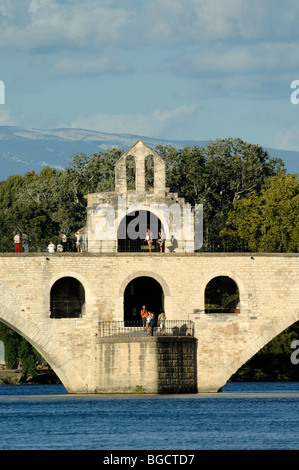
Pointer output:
x,y
146,365
176,362
269,303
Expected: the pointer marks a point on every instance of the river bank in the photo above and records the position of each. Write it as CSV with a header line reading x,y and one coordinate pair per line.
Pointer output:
x,y
17,377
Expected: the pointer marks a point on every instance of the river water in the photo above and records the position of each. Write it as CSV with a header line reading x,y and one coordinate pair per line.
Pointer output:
x,y
243,416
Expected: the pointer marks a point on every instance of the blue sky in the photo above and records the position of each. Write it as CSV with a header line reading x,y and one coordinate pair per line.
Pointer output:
x,y
171,69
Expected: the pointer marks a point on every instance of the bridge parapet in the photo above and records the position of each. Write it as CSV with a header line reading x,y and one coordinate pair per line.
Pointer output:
x,y
126,329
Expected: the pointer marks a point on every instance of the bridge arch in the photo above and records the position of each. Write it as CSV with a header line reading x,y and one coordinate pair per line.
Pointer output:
x,y
254,345
56,356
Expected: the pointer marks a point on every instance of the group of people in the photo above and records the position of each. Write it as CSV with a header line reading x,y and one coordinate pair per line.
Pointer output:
x,y
149,321
21,239
149,240
62,246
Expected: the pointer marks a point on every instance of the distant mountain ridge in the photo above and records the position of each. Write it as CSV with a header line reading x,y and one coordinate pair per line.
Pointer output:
x,y
23,150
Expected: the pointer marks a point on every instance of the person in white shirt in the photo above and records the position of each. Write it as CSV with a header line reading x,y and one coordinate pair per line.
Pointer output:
x,y
51,247
149,239
17,242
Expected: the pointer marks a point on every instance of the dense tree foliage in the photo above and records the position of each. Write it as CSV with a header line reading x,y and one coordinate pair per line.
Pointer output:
x,y
46,204
19,353
218,176
246,196
269,220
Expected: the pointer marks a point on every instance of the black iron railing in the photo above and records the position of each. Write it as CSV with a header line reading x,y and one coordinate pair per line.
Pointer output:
x,y
108,329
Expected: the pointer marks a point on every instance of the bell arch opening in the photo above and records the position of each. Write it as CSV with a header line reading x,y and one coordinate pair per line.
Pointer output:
x,y
67,298
143,290
149,172
130,172
138,232
222,296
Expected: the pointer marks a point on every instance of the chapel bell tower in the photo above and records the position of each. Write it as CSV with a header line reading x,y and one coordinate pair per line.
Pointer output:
x,y
117,221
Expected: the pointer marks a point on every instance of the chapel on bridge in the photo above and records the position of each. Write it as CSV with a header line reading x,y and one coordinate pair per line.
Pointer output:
x,y
118,221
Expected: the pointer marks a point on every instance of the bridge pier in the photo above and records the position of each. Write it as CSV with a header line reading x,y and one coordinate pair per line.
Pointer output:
x,y
147,365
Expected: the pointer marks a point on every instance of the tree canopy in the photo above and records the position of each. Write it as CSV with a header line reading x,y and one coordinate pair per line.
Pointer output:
x,y
218,176
269,220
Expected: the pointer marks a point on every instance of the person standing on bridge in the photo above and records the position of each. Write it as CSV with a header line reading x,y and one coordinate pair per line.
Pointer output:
x,y
78,241
64,241
143,314
26,242
17,242
148,319
161,240
149,239
152,324
161,322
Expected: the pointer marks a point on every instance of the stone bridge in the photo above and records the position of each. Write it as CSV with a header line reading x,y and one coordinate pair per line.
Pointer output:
x,y
35,289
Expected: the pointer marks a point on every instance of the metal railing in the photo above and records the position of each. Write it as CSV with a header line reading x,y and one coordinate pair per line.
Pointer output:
x,y
139,246
67,308
109,329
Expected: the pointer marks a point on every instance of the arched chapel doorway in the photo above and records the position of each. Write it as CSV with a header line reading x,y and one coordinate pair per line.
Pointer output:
x,y
132,231
143,290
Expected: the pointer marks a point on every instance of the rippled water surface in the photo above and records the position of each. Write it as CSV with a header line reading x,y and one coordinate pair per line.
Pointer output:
x,y
242,416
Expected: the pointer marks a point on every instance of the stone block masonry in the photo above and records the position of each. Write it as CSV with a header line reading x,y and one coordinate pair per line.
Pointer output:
x,y
269,302
176,362
147,365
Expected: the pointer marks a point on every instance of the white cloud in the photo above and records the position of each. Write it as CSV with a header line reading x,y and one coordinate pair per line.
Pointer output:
x,y
80,65
155,124
189,21
63,25
242,59
27,24
180,51
203,38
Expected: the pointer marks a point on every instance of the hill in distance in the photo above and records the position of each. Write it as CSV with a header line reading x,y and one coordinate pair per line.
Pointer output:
x,y
23,150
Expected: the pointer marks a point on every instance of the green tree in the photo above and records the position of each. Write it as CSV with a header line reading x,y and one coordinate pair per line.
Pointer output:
x,y
18,352
217,176
85,174
47,204
269,220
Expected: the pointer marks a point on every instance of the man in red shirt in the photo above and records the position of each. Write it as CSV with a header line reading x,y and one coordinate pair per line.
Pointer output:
x,y
143,314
